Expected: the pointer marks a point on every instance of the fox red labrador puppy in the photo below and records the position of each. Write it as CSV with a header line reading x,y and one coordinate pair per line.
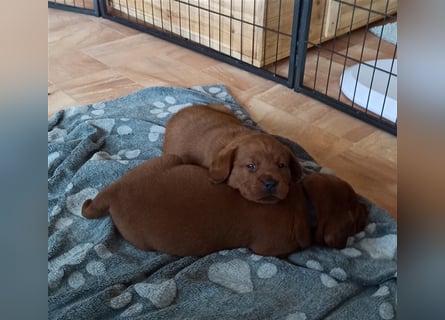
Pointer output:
x,y
168,206
255,163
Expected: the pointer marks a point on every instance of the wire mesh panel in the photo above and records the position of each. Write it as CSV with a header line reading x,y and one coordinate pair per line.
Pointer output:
x,y
257,33
342,52
350,61
81,6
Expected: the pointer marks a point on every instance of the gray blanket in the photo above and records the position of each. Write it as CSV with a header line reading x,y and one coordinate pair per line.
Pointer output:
x,y
94,274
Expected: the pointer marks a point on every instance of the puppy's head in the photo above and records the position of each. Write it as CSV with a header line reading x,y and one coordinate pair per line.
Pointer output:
x,y
259,166
339,212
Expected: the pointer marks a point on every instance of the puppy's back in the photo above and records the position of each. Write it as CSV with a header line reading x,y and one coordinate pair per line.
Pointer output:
x,y
196,133
175,209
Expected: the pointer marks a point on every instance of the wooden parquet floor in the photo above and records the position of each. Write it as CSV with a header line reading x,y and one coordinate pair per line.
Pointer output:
x,y
92,59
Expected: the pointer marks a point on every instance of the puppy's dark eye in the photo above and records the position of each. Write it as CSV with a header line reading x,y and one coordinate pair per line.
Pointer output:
x,y
281,165
251,166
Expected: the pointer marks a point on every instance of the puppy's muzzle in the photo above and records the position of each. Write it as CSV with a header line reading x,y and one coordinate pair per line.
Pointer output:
x,y
270,185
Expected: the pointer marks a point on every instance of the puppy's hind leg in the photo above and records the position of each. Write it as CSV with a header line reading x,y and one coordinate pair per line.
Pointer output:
x,y
99,206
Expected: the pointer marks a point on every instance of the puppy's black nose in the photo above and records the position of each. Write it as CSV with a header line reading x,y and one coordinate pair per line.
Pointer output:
x,y
270,184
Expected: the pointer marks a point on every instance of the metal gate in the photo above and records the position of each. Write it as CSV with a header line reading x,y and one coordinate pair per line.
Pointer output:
x,y
348,59
324,48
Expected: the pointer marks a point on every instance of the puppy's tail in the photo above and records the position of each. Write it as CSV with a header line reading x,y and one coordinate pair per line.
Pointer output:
x,y
94,209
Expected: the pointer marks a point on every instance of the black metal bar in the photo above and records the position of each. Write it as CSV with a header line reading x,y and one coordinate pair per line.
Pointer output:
x,y
171,18
220,29
189,19
210,28
373,68
266,34
276,40
252,52
320,41
293,46
143,11
302,40
241,29
345,56
334,42
361,59
230,34
199,25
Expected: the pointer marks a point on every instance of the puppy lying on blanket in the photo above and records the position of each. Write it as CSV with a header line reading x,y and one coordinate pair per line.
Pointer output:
x,y
171,207
255,163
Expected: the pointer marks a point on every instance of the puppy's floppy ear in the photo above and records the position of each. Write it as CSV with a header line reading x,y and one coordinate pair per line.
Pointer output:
x,y
339,212
221,166
336,232
295,168
352,221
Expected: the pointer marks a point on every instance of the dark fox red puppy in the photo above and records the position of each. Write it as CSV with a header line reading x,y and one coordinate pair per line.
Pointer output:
x,y
168,206
255,163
